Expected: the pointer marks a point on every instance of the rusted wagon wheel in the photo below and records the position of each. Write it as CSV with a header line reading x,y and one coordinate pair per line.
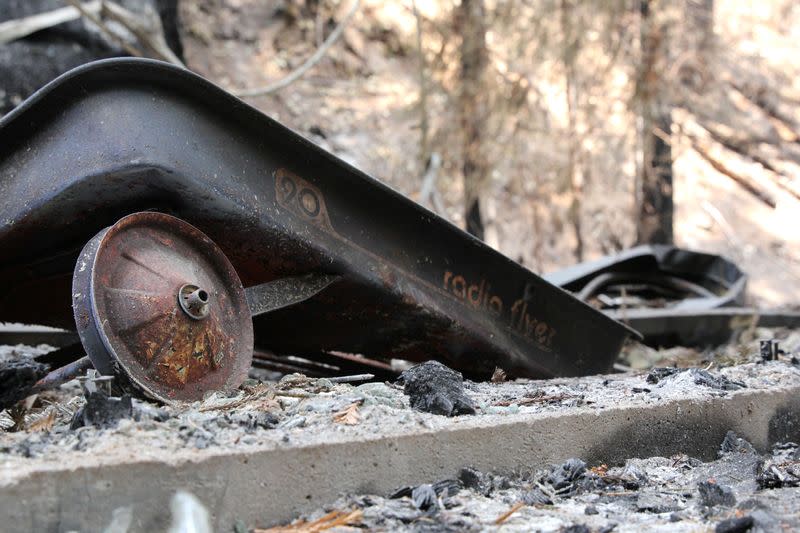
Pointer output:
x,y
158,304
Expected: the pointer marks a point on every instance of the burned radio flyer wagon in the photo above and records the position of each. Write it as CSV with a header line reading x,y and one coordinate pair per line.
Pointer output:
x,y
175,227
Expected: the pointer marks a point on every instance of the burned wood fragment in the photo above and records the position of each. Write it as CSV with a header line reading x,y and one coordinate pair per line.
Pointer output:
x,y
778,475
657,374
732,443
713,494
735,525
17,378
434,388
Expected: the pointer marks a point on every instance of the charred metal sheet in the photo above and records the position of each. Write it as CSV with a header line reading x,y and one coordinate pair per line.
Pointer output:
x,y
288,365
327,364
350,363
656,276
703,327
12,334
324,364
284,292
62,356
126,135
671,296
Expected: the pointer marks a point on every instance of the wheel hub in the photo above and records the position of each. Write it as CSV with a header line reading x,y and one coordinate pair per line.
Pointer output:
x,y
194,301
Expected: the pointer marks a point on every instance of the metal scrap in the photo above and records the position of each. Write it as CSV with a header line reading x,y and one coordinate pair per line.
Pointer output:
x,y
672,296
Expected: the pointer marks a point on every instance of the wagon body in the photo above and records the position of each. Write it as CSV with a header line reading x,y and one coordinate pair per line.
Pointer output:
x,y
126,135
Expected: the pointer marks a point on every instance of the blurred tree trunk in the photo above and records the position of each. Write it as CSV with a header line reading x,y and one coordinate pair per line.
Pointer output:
x,y
472,108
570,49
696,72
703,22
655,206
424,150
168,11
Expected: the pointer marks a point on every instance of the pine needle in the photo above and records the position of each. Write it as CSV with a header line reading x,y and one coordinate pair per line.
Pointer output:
x,y
44,421
329,521
503,517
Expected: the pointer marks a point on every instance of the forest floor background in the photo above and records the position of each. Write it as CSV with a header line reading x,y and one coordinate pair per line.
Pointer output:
x,y
362,103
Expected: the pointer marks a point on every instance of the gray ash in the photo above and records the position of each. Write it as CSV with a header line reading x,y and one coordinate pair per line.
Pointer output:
x,y
641,494
698,376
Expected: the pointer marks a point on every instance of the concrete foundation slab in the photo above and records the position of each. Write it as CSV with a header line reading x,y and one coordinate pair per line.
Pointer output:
x,y
271,475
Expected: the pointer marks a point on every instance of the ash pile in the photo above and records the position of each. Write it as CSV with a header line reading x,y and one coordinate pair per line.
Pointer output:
x,y
739,491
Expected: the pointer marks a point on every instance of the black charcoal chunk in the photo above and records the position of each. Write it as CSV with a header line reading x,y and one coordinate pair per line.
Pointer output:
x,y
732,443
735,525
434,388
424,497
713,494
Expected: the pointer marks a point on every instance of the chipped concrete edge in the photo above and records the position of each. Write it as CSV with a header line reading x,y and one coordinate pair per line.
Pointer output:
x,y
271,485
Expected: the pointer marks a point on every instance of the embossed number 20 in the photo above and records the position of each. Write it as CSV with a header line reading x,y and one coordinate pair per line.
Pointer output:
x,y
306,199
